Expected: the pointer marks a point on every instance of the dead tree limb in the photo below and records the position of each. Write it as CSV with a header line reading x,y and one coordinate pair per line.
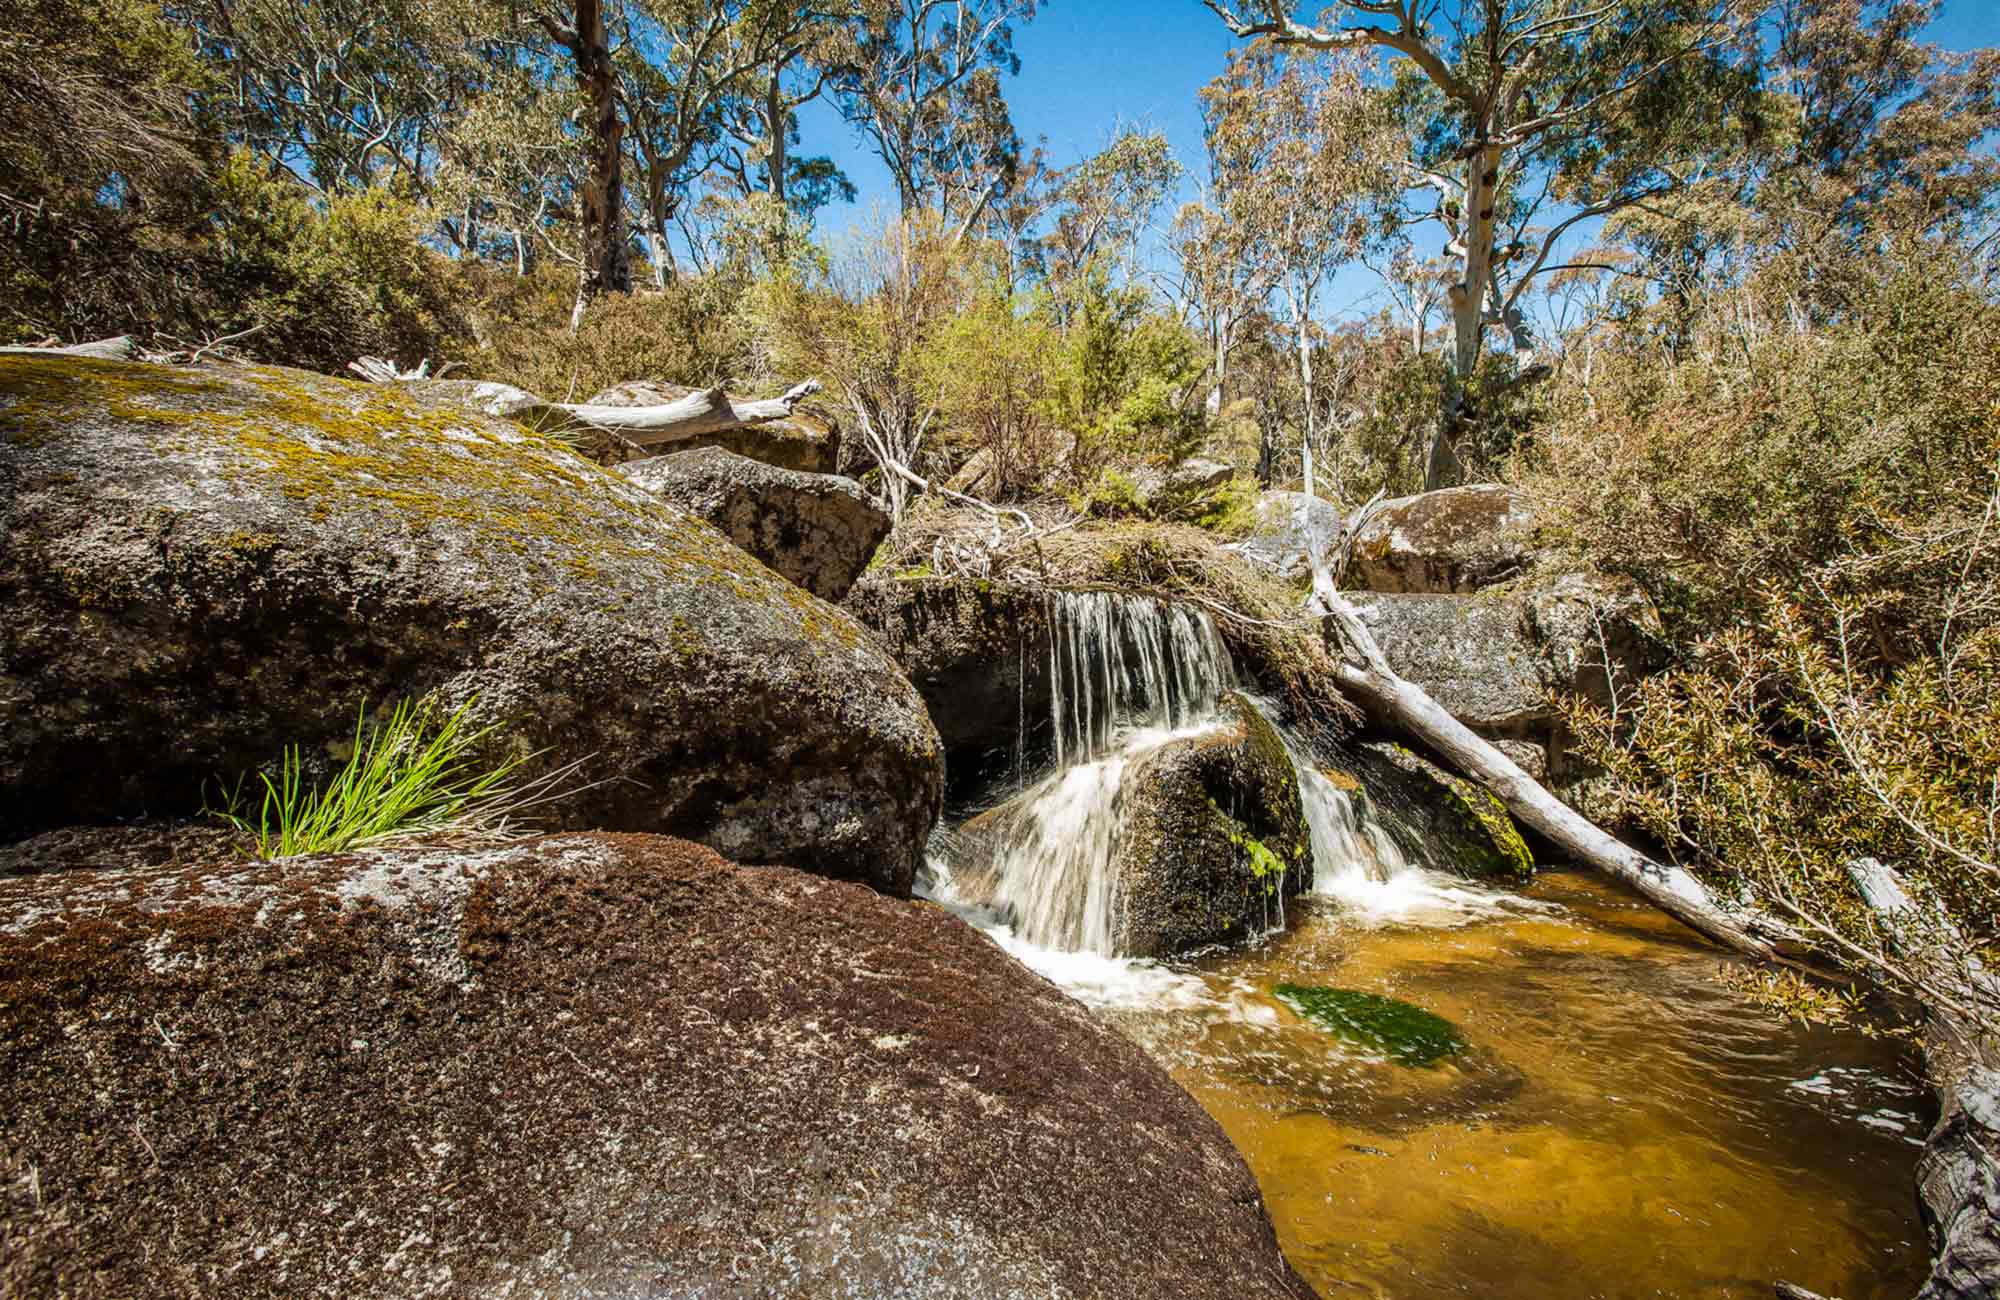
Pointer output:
x,y
1958,1175
121,348
1371,680
709,411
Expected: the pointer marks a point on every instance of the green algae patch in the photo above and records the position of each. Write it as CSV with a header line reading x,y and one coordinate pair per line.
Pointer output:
x,y
1407,1034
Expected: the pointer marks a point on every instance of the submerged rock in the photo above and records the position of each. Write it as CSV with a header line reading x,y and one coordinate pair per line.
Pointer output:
x,y
580,1066
817,530
1214,839
1407,1034
1452,540
200,568
1436,818
807,442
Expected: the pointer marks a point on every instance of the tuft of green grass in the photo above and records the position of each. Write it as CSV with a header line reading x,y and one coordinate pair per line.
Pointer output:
x,y
1409,1034
418,773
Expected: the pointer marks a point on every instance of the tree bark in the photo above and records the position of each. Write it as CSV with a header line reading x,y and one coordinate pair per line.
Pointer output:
x,y
607,254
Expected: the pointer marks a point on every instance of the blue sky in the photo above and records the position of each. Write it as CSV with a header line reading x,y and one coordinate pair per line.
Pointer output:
x,y
1087,65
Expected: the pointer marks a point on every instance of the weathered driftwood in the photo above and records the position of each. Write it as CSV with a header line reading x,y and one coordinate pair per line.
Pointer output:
x,y
710,410
121,348
1408,706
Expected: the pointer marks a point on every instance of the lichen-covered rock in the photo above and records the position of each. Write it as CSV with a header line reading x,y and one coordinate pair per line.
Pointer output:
x,y
1165,491
1277,541
818,530
1437,819
807,441
201,567
1213,839
585,1066
1452,540
1492,659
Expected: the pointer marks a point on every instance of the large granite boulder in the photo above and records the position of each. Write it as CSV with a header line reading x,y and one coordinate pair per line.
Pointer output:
x,y
978,653
1277,541
807,441
200,568
585,1066
1492,660
818,530
1453,540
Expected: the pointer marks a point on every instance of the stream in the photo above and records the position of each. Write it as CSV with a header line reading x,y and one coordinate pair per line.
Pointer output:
x,y
1616,1120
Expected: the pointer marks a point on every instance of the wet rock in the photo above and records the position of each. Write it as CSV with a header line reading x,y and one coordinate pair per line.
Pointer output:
x,y
1277,542
808,441
200,568
1452,540
581,1066
1214,839
817,530
1437,819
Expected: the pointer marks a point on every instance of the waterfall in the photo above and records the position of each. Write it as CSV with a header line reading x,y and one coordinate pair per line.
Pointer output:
x,y
1118,662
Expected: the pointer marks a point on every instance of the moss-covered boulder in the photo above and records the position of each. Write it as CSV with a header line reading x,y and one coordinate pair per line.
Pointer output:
x,y
586,1066
1437,819
818,530
1213,839
201,567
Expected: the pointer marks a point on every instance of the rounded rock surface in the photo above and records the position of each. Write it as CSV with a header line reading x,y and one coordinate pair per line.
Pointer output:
x,y
202,567
584,1066
818,531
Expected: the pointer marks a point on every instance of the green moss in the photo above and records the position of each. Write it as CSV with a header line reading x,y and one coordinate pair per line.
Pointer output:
x,y
1508,853
1408,1035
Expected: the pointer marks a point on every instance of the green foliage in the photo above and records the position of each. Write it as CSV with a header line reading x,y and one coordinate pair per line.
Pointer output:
x,y
325,283
1408,1034
1816,509
1230,511
418,773
1121,377
988,370
693,332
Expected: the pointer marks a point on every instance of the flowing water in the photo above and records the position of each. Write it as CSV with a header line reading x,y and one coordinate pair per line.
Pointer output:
x,y
1623,1123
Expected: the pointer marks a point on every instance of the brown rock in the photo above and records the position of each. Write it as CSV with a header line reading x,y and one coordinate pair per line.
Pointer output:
x,y
1452,540
585,1066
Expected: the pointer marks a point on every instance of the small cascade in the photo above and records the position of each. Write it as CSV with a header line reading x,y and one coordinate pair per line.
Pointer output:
x,y
1118,662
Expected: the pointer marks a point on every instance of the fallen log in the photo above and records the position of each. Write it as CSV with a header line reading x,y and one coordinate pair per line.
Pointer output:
x,y
711,410
1408,706
121,348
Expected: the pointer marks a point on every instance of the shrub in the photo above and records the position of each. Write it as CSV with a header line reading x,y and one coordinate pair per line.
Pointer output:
x,y
1812,495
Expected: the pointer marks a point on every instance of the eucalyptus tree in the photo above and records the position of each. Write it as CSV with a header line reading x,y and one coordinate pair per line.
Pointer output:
x,y
1524,119
346,94
1101,207
1301,160
921,81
